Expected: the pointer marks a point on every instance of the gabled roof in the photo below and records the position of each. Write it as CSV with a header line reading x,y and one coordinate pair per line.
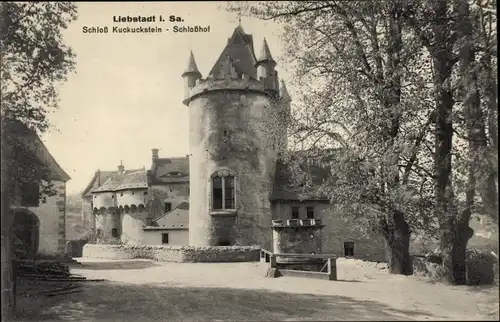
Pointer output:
x,y
128,179
240,49
166,170
133,179
111,180
177,218
30,140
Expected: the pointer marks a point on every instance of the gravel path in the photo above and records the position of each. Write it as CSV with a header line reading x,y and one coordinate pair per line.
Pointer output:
x,y
148,291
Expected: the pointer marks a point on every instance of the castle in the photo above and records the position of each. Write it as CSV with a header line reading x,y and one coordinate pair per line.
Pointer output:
x,y
233,188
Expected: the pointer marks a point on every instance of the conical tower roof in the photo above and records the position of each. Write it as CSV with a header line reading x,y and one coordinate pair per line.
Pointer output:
x,y
284,92
192,68
265,53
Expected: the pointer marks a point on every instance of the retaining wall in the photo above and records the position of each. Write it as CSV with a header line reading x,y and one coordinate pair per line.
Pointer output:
x,y
187,254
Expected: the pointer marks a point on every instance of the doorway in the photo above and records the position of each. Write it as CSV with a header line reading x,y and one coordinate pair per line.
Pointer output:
x,y
26,233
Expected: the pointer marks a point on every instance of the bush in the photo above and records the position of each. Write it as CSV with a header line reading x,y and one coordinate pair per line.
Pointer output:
x,y
480,267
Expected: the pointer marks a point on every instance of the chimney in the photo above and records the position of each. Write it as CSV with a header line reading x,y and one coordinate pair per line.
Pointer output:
x,y
98,177
121,168
154,154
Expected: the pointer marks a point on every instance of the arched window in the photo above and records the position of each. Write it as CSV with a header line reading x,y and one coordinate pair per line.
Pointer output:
x,y
223,190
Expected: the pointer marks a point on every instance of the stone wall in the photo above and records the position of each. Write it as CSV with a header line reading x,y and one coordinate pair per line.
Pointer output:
x,y
301,239
337,230
173,253
52,216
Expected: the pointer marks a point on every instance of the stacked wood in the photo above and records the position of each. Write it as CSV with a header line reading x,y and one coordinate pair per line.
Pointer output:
x,y
50,272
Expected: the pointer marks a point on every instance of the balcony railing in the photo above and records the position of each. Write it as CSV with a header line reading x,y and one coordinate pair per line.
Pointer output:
x,y
296,222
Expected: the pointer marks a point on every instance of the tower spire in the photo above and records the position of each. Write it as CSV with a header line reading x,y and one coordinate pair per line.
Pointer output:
x,y
284,92
265,53
192,68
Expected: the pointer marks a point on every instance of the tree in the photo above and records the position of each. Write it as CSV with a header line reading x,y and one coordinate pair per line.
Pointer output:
x,y
484,18
448,29
34,61
360,90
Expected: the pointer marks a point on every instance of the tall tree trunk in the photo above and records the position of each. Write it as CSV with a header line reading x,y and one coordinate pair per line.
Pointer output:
x,y
8,294
442,60
398,233
397,240
489,188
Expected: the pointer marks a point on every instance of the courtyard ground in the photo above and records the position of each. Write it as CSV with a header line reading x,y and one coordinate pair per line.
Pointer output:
x,y
142,290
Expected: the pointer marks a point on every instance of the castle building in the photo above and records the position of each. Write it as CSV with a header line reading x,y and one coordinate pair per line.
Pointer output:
x,y
233,188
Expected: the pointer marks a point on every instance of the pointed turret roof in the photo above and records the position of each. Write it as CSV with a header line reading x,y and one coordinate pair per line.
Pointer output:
x,y
192,68
265,53
240,49
284,92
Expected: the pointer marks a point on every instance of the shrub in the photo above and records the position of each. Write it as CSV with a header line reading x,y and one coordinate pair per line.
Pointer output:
x,y
480,267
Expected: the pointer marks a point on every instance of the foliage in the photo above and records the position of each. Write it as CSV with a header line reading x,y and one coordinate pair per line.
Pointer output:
x,y
342,76
398,99
34,58
34,61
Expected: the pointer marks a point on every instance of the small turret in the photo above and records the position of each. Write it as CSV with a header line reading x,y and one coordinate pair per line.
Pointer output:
x,y
191,75
284,96
265,66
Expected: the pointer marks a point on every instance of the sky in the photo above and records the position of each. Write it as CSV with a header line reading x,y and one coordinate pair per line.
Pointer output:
x,y
125,97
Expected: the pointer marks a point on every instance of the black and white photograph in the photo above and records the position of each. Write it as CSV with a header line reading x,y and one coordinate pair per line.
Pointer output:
x,y
249,160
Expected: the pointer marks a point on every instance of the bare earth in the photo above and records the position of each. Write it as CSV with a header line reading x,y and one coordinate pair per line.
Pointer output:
x,y
147,291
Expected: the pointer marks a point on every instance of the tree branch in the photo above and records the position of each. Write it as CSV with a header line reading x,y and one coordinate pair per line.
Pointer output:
x,y
416,145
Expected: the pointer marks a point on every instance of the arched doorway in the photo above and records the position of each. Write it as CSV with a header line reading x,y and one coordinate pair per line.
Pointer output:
x,y
26,233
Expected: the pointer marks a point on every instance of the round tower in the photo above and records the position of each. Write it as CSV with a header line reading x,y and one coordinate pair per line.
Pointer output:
x,y
230,167
107,219
191,75
266,67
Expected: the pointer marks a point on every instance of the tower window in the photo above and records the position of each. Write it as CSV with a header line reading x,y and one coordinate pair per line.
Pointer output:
x,y
223,192
310,212
348,248
164,238
167,206
114,232
295,212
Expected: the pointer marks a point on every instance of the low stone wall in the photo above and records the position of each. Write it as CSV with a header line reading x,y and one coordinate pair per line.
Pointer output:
x,y
180,254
